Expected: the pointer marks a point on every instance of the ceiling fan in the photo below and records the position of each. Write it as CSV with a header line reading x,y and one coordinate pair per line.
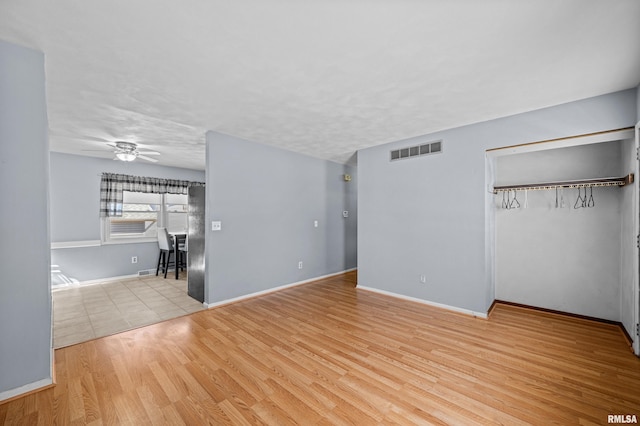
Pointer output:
x,y
128,151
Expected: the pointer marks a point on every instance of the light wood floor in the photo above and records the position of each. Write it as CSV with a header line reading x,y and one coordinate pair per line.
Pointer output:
x,y
327,353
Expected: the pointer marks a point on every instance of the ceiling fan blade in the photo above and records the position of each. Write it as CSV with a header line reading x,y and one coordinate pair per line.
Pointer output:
x,y
148,153
153,160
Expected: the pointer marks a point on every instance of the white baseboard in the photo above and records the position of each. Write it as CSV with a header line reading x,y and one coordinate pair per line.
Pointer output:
x,y
11,393
273,290
482,315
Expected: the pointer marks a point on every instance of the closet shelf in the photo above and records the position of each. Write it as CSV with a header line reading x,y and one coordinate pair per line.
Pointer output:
x,y
583,183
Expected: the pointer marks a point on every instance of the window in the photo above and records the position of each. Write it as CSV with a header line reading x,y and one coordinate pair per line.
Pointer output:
x,y
143,213
176,212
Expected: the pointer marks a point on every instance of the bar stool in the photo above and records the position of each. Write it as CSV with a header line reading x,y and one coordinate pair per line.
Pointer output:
x,y
166,250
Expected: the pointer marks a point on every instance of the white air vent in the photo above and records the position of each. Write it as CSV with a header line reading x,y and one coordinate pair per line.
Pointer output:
x,y
416,151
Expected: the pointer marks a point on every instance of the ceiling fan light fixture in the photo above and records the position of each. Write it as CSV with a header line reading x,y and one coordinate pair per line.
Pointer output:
x,y
125,156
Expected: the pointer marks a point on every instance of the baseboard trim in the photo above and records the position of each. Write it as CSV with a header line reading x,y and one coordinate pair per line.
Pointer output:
x,y
273,290
25,390
474,314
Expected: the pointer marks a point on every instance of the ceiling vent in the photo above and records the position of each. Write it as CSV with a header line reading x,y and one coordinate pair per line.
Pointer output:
x,y
416,151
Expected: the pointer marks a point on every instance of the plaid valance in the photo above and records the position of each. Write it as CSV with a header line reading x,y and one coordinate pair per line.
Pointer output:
x,y
112,185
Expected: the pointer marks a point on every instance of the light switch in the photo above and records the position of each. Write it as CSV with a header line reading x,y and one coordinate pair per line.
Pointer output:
x,y
216,225
315,223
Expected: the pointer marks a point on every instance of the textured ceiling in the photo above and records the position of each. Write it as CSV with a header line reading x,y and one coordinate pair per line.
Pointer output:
x,y
324,78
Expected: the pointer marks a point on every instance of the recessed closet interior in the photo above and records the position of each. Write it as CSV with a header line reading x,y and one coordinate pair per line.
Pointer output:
x,y
567,249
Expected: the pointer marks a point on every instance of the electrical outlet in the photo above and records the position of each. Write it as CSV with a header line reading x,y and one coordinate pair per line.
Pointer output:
x,y
300,265
423,279
134,259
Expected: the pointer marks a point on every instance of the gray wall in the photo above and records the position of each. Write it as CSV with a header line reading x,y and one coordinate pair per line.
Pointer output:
x,y
268,200
75,200
427,215
25,295
565,259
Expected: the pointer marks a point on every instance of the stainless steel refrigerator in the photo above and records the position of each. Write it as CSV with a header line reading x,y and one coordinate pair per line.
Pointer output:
x,y
195,253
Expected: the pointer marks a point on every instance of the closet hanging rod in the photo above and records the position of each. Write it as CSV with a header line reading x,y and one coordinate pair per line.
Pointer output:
x,y
583,183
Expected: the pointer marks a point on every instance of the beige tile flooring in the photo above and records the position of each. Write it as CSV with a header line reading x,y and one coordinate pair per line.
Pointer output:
x,y
82,313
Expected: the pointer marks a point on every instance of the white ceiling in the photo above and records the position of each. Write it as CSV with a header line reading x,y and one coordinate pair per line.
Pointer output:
x,y
320,77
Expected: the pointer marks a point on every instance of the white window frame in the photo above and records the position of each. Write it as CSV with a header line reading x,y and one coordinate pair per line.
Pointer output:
x,y
105,230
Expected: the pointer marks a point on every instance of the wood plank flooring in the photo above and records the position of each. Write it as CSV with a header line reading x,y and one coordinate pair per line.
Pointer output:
x,y
327,353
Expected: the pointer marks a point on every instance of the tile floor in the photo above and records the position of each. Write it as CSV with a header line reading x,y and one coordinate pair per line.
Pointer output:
x,y
82,313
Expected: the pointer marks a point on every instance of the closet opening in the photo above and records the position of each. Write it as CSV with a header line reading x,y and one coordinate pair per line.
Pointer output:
x,y
563,224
